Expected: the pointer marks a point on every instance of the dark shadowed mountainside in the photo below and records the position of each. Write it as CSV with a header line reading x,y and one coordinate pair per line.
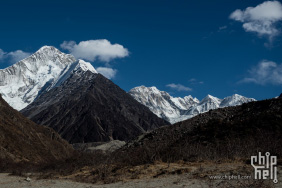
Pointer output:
x,y
222,134
90,108
21,140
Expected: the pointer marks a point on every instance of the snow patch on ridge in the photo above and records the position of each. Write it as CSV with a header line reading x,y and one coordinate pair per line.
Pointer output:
x,y
85,66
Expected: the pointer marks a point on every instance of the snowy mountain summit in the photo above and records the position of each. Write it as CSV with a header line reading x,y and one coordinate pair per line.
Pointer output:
x,y
161,103
25,80
175,109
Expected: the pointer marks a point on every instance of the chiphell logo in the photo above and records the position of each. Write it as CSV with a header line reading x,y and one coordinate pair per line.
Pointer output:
x,y
265,166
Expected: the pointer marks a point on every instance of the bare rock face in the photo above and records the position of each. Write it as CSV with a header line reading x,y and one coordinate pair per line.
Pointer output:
x,y
88,107
21,140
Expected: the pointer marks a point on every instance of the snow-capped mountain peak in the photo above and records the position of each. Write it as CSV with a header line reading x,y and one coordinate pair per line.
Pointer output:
x,y
174,109
48,50
49,53
48,67
211,99
144,89
85,66
235,100
161,103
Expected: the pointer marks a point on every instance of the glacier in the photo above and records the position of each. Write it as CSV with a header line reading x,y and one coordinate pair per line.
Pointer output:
x,y
175,109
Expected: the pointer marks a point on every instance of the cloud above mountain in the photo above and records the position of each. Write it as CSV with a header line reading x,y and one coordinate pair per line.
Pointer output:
x,y
261,19
265,72
178,87
2,54
107,72
18,55
14,56
92,50
195,81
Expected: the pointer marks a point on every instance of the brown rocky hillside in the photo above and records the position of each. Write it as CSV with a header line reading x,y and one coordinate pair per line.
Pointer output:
x,y
21,140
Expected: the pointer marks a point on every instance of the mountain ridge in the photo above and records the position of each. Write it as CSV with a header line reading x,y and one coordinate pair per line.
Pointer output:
x,y
175,109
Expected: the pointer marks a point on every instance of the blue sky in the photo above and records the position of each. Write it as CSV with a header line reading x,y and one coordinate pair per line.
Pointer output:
x,y
183,47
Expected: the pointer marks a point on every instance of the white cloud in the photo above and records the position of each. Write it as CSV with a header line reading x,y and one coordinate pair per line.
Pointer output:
x,y
222,28
2,54
95,49
14,56
261,19
195,81
18,55
107,72
266,72
192,80
178,87
68,45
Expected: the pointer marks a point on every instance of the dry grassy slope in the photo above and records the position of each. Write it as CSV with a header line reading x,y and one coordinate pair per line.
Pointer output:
x,y
23,140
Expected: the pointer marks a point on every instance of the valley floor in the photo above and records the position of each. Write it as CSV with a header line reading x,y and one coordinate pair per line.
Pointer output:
x,y
7,181
155,176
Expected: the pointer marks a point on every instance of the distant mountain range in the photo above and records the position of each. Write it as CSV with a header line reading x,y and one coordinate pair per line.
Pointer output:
x,y
69,95
54,89
175,109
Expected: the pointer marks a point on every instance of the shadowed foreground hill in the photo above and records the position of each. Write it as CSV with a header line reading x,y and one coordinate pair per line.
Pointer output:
x,y
228,133
21,140
90,108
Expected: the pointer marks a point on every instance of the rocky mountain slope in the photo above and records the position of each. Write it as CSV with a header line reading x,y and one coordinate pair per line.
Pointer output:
x,y
23,82
65,94
21,140
232,133
87,107
175,109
